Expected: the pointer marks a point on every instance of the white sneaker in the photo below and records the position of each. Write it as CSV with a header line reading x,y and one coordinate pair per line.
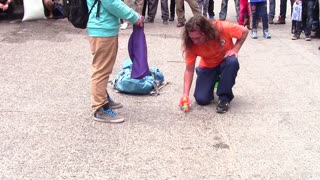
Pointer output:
x,y
124,26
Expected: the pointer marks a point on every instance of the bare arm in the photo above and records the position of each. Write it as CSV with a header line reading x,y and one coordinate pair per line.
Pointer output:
x,y
188,77
239,43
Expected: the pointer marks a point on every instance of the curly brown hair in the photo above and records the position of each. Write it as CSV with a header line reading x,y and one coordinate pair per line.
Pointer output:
x,y
198,23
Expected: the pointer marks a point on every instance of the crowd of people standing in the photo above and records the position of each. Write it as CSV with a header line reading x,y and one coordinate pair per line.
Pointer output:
x,y
248,13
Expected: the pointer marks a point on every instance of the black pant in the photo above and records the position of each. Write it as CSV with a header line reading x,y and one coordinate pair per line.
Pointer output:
x,y
172,8
211,8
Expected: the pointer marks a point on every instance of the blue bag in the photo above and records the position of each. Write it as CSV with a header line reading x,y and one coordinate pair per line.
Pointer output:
x,y
125,84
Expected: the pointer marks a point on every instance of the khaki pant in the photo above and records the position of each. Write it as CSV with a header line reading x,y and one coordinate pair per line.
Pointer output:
x,y
104,51
180,9
136,5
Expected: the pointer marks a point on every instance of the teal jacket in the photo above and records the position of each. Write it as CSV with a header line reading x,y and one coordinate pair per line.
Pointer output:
x,y
108,22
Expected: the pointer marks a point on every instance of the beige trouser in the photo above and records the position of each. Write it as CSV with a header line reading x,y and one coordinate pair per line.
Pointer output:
x,y
104,51
136,5
180,9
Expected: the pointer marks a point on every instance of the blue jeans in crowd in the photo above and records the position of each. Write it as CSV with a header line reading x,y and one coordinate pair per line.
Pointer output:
x,y
206,78
272,8
224,9
259,9
308,13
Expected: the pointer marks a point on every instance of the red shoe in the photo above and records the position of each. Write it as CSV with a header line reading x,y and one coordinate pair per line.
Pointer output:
x,y
281,20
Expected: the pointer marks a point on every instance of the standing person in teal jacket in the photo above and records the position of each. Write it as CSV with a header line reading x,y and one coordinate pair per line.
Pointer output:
x,y
103,29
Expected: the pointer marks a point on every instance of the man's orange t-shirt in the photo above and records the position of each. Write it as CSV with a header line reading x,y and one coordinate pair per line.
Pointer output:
x,y
212,52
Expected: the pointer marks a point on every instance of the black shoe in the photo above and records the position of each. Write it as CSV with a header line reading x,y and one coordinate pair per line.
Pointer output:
x,y
149,20
171,18
165,22
180,24
222,106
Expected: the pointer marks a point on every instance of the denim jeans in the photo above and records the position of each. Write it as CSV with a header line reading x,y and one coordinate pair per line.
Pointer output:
x,y
308,13
259,9
206,78
203,4
272,8
224,9
153,6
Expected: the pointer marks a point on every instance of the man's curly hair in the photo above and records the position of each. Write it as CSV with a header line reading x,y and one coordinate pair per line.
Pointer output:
x,y
198,23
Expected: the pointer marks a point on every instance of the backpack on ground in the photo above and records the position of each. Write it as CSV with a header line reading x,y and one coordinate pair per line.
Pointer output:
x,y
150,84
77,12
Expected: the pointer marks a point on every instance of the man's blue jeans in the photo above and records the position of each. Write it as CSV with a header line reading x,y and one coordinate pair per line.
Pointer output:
x,y
206,78
272,8
224,9
308,13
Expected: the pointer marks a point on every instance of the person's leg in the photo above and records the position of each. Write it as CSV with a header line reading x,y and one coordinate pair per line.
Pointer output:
x,y
315,24
310,4
104,52
272,10
283,12
205,8
139,6
211,9
297,30
194,7
254,15
253,20
264,16
144,8
223,11
172,10
180,12
206,78
200,4
152,10
49,5
164,11
237,6
243,5
229,69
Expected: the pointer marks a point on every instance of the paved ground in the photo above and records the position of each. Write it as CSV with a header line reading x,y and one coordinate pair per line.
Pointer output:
x,y
46,131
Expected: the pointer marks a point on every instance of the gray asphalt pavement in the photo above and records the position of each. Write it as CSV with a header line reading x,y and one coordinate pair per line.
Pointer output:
x,y
272,130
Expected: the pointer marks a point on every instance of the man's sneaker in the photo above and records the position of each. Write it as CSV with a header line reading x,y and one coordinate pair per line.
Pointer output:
x,y
222,106
107,116
165,22
266,34
114,105
171,18
254,34
124,26
149,20
295,37
308,38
